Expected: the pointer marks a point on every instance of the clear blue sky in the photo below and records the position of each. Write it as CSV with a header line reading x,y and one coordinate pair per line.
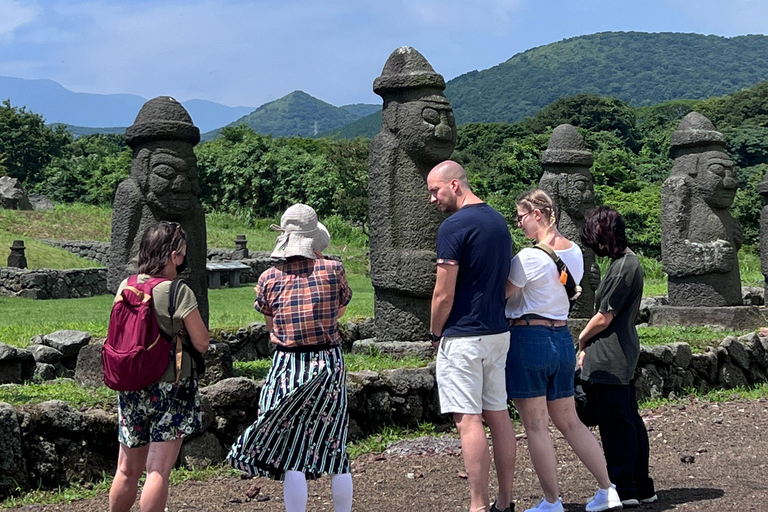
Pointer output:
x,y
248,52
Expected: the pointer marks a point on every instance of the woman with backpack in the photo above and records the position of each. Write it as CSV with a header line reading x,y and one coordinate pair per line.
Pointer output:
x,y
153,420
301,430
609,349
541,358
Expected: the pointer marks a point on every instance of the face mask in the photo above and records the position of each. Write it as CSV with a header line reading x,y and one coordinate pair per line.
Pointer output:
x,y
181,268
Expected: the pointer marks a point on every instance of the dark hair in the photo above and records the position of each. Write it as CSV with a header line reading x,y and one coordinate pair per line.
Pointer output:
x,y
157,244
604,227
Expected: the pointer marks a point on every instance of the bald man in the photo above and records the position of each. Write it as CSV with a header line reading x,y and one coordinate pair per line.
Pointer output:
x,y
470,333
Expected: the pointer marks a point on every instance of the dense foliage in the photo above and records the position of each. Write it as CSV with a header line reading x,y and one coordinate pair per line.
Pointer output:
x,y
27,144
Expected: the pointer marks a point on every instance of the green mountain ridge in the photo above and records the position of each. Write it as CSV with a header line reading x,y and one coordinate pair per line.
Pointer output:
x,y
637,67
297,114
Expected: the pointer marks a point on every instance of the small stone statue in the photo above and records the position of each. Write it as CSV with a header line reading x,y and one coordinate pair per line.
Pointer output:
x,y
700,239
241,248
17,258
568,180
163,186
418,131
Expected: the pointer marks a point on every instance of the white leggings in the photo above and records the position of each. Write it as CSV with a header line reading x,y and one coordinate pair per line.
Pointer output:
x,y
295,492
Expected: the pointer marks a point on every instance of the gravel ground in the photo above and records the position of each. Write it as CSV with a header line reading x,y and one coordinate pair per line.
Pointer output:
x,y
705,456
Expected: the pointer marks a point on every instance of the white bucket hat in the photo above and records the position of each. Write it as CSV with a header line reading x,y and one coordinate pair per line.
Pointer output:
x,y
302,234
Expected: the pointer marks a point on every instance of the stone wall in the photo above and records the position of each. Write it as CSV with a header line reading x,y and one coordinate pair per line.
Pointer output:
x,y
88,249
51,444
52,284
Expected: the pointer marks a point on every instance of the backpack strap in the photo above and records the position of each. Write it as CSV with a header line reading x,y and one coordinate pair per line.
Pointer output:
x,y
173,298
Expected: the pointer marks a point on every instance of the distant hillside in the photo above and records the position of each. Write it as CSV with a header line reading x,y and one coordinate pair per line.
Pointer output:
x,y
639,68
297,114
79,131
362,109
60,105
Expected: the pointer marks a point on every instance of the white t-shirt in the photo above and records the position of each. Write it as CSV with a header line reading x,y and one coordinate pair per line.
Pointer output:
x,y
541,292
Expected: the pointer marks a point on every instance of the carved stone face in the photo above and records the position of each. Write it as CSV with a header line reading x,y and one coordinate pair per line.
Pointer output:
x,y
172,185
715,179
427,128
579,195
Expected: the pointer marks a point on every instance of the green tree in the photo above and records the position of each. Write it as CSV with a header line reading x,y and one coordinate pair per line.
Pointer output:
x,y
27,143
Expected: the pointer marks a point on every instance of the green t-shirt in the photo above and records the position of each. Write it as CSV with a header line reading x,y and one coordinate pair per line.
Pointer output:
x,y
185,304
611,356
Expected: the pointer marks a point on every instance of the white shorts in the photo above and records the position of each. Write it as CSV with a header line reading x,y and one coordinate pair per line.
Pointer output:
x,y
471,373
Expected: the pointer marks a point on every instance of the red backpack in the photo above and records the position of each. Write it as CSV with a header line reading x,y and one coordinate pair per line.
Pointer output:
x,y
136,352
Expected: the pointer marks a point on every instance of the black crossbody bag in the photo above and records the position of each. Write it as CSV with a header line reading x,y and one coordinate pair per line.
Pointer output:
x,y
182,342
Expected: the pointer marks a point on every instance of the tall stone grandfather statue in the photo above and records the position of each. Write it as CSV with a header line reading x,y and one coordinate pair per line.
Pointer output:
x,y
762,189
418,131
163,186
699,237
568,180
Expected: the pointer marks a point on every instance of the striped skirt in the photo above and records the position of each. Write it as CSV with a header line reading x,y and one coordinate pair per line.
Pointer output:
x,y
303,421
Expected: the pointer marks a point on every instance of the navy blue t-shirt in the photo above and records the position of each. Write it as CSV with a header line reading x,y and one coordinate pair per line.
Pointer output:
x,y
476,238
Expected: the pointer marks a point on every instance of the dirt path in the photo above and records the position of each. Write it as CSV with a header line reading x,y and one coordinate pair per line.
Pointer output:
x,y
705,457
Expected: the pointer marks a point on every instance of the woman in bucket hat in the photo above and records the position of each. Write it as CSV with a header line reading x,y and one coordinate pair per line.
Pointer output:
x,y
301,431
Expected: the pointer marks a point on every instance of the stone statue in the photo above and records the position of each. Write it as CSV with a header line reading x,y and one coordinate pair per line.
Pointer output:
x,y
163,186
700,239
762,188
418,131
568,181
17,258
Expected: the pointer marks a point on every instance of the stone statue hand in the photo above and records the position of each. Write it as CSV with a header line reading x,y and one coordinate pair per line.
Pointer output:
x,y
724,256
737,235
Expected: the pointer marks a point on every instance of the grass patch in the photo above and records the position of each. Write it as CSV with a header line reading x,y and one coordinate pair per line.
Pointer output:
x,y
66,390
40,255
755,392
230,308
378,442
258,369
76,492
698,337
64,222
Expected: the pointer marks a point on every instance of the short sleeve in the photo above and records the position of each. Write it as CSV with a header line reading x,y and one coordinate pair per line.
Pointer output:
x,y
263,304
345,292
615,295
448,245
517,273
186,301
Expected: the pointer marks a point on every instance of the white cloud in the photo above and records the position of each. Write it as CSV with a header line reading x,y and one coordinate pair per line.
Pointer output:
x,y
15,15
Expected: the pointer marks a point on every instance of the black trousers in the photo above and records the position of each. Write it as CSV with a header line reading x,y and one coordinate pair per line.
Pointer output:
x,y
625,439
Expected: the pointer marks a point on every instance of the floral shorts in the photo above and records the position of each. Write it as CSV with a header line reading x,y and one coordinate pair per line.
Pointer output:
x,y
159,412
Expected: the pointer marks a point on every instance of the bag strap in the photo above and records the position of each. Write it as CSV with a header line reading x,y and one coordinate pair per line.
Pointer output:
x,y
172,300
560,264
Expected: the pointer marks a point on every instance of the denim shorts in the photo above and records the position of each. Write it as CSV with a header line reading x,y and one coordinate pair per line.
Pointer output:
x,y
541,362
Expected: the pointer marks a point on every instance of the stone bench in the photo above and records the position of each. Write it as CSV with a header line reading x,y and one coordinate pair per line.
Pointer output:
x,y
225,272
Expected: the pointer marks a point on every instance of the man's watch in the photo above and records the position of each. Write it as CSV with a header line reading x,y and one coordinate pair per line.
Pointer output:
x,y
433,337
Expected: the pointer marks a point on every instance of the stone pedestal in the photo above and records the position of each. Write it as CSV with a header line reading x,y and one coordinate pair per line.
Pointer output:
x,y
733,317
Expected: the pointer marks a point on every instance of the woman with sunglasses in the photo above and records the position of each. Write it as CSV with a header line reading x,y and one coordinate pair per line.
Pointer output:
x,y
542,358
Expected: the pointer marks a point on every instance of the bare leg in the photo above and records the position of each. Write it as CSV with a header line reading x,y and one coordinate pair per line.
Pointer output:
x,y
584,444
504,453
477,458
160,461
125,486
535,417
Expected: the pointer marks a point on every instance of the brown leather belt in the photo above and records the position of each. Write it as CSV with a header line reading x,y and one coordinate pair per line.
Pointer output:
x,y
517,322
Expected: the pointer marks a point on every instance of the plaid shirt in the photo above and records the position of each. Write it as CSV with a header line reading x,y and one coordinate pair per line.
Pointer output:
x,y
303,298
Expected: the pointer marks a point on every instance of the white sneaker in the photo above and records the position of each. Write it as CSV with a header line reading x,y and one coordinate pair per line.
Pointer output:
x,y
652,499
605,499
545,506
630,503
